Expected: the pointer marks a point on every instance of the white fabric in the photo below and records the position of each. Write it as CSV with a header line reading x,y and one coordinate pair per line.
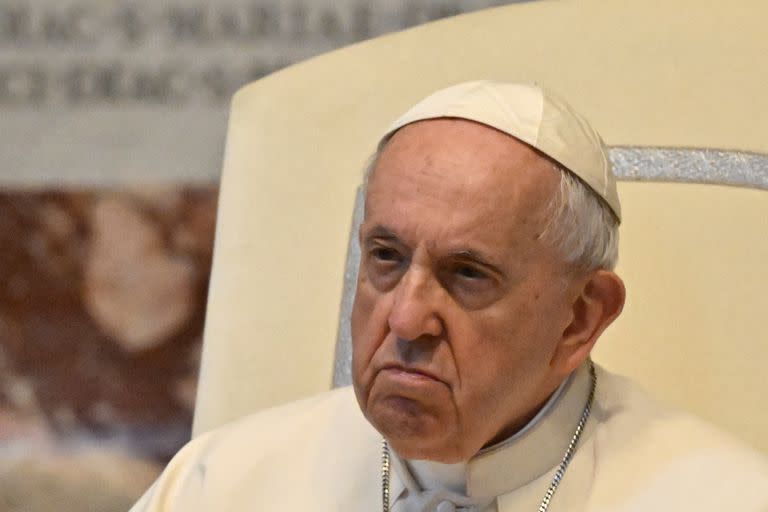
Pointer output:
x,y
431,475
321,454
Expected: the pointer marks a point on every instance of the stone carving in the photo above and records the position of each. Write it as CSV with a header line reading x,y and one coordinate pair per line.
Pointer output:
x,y
137,291
81,353
193,50
102,295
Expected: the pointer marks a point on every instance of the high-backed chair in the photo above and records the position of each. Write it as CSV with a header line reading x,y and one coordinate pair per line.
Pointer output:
x,y
680,93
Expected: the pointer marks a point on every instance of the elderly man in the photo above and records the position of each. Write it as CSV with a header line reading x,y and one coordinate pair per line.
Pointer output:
x,y
486,277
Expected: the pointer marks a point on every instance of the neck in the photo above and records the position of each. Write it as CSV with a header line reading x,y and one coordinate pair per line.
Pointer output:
x,y
529,420
532,419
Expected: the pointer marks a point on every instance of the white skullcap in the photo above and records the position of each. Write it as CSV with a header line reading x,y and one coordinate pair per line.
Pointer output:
x,y
532,115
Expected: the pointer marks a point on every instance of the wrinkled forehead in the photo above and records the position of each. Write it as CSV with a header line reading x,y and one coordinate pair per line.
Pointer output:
x,y
462,152
456,165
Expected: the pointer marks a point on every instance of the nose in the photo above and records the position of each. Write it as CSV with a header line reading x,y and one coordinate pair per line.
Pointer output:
x,y
415,307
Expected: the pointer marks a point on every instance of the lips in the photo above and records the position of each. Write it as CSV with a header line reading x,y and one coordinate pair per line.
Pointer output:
x,y
411,372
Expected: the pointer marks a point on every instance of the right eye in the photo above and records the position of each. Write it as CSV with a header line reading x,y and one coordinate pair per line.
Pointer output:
x,y
385,254
384,266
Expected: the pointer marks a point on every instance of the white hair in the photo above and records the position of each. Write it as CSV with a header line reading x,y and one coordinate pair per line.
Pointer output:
x,y
581,226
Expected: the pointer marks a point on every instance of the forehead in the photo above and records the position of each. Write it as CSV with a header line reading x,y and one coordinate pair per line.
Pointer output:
x,y
452,178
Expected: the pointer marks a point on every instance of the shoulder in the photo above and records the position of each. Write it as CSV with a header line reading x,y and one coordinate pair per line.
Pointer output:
x,y
623,406
650,449
272,456
322,412
325,420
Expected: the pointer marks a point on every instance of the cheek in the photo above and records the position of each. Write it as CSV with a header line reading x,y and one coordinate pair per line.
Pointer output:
x,y
533,316
368,326
507,345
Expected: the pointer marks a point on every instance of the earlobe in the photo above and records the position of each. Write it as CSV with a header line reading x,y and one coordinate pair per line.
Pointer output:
x,y
599,303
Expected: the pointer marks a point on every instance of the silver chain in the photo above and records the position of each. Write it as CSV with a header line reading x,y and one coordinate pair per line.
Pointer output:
x,y
385,458
385,474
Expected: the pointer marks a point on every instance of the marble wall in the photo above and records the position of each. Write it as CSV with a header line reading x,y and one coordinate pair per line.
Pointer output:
x,y
102,297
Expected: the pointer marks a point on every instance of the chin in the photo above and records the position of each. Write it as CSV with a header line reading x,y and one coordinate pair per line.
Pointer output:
x,y
413,434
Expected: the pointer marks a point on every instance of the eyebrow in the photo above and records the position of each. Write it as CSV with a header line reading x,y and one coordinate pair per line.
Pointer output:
x,y
380,231
469,254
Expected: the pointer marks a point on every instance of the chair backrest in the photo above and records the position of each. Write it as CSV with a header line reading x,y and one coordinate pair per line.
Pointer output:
x,y
669,86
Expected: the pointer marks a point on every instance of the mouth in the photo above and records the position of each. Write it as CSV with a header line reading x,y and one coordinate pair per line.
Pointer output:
x,y
410,373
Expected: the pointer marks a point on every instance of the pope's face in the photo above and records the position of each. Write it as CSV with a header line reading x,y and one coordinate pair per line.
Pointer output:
x,y
460,306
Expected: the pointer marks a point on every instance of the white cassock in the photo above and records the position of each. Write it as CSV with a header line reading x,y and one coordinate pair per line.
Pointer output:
x,y
320,454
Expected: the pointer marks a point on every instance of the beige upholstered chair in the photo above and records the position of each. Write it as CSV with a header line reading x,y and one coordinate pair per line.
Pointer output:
x,y
679,91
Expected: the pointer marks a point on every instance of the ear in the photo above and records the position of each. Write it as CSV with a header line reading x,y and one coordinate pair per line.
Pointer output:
x,y
599,300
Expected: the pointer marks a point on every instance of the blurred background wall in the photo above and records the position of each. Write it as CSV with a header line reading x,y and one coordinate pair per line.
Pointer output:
x,y
112,123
